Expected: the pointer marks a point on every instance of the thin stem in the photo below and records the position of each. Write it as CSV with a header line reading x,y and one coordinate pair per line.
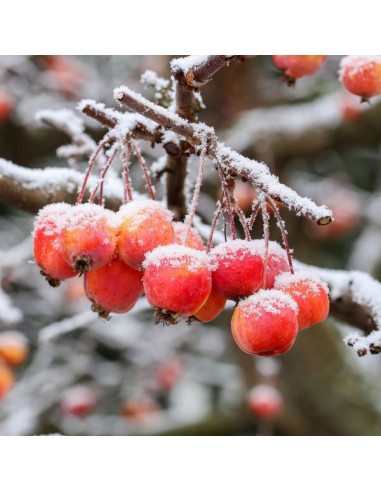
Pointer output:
x,y
217,215
243,221
126,154
227,200
142,163
93,158
266,232
282,230
254,212
102,176
196,196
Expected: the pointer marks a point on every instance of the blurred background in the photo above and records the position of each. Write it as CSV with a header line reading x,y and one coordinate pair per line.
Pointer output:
x,y
83,376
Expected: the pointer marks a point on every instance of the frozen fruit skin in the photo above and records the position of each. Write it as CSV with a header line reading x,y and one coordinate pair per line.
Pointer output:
x,y
298,66
361,75
213,306
277,261
265,401
47,240
115,287
177,279
237,269
13,347
194,239
88,238
310,294
144,225
265,323
7,380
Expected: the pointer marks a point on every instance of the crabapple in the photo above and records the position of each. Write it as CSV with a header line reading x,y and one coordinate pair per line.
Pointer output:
x,y
66,75
7,379
276,261
245,194
351,108
139,409
194,239
213,306
237,269
46,242
265,323
13,347
177,279
361,75
115,287
298,66
310,294
265,401
144,225
6,105
88,237
78,401
168,373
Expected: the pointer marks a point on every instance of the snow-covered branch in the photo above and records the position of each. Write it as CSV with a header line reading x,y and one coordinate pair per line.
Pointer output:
x,y
199,133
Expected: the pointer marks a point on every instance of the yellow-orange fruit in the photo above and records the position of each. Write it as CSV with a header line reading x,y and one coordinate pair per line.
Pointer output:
x,y
7,380
13,347
213,306
194,239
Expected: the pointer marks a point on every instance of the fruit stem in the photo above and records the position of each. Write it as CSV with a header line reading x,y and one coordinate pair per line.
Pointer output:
x,y
243,221
266,232
282,230
254,212
142,163
227,200
102,176
196,196
92,160
217,214
126,154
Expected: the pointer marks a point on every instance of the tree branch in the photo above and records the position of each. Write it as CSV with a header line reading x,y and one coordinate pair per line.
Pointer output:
x,y
196,134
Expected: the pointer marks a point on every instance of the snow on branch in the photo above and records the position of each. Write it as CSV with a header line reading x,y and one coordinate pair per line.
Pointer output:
x,y
199,134
198,69
356,300
63,119
31,189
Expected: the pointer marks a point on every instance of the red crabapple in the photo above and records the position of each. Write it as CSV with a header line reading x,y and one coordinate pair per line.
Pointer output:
x,y
361,75
265,401
139,409
78,401
310,294
46,240
6,105
88,238
194,239
237,269
265,323
277,262
245,194
13,347
168,373
144,225
115,287
7,379
298,66
66,75
351,108
213,306
177,279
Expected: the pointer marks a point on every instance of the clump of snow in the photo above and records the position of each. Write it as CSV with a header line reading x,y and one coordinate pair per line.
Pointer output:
x,y
305,276
12,339
188,63
238,249
267,302
88,216
177,256
264,393
355,65
63,119
52,218
151,79
137,211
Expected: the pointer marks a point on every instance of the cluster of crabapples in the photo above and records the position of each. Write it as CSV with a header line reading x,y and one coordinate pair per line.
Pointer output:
x,y
13,352
140,249
360,75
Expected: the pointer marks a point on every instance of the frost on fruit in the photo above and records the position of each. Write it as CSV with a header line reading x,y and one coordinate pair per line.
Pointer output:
x,y
310,278
269,302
